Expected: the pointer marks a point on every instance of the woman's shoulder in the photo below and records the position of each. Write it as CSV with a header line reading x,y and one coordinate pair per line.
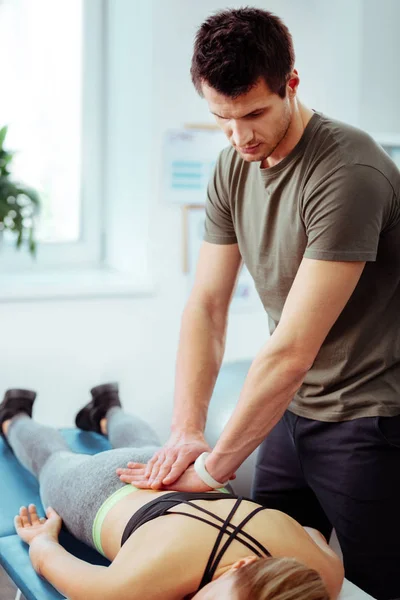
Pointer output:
x,y
287,538
160,560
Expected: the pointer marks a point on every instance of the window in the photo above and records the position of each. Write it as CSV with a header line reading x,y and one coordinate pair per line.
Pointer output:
x,y
101,237
52,75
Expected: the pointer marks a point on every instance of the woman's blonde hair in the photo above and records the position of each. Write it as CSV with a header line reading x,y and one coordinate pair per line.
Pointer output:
x,y
279,579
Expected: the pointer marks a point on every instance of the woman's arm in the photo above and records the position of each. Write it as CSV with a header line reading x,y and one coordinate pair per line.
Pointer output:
x,y
288,538
72,577
133,575
320,540
334,570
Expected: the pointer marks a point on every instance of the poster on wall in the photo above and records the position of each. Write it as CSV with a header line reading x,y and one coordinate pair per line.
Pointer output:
x,y
189,157
245,297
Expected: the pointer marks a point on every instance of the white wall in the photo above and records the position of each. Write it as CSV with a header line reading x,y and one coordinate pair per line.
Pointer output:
x,y
380,81
334,38
62,348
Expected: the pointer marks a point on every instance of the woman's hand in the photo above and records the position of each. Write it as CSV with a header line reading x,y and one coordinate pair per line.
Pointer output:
x,y
189,481
29,525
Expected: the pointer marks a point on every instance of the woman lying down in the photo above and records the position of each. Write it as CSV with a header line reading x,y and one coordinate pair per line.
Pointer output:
x,y
162,544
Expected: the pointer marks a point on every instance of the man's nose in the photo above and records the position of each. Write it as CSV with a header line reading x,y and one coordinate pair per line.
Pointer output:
x,y
241,134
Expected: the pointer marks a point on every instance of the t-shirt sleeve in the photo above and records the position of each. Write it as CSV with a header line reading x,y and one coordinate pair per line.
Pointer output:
x,y
219,227
345,214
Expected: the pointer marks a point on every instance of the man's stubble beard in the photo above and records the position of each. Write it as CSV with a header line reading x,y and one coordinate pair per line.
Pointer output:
x,y
285,125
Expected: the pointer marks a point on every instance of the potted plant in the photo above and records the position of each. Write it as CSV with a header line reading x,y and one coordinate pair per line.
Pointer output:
x,y
19,204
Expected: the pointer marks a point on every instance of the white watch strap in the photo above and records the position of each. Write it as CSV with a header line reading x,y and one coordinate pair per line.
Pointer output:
x,y
200,468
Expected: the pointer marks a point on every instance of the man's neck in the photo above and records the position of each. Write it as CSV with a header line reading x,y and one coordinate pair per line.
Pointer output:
x,y
300,119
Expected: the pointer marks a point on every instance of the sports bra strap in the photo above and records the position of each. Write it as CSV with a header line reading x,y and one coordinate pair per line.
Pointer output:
x,y
232,536
217,518
242,533
204,579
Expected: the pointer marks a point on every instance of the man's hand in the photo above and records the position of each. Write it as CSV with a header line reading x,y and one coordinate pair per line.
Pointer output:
x,y
29,525
189,481
168,464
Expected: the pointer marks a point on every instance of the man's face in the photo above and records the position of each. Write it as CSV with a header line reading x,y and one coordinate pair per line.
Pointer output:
x,y
254,123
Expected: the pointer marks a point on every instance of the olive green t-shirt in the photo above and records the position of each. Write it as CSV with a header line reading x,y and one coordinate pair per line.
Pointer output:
x,y
335,197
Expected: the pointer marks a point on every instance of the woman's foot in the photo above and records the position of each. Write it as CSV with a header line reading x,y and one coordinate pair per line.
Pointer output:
x,y
15,401
92,417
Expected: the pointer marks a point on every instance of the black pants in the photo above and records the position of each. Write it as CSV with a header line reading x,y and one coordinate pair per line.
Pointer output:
x,y
344,475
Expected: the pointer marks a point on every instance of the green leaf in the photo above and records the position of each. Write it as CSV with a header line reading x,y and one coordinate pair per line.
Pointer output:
x,y
11,189
3,133
19,239
7,158
7,190
32,243
31,193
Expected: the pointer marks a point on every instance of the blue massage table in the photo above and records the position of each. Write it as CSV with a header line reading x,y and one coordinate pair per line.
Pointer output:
x,y
19,487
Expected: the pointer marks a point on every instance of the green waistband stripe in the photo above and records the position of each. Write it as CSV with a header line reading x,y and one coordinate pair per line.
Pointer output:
x,y
103,510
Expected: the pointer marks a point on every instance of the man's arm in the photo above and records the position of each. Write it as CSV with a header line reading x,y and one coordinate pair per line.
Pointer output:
x,y
200,353
318,295
202,337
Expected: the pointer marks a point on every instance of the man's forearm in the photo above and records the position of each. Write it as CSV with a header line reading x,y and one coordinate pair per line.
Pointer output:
x,y
272,381
200,353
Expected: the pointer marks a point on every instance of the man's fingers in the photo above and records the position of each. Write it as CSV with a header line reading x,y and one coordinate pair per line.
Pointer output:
x,y
136,481
150,474
134,476
130,471
156,469
174,474
178,467
165,469
126,478
152,462
155,479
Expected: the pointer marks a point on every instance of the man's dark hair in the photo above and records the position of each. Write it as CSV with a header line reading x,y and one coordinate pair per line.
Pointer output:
x,y
234,48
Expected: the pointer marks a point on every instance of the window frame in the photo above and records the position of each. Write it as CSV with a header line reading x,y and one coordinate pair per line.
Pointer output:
x,y
87,251
120,169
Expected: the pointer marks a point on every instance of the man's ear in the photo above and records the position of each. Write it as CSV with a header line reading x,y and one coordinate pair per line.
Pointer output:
x,y
293,82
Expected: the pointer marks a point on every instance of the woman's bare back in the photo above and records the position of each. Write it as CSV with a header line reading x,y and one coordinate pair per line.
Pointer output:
x,y
191,541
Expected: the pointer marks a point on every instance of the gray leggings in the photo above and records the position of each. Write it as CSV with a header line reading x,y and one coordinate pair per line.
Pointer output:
x,y
76,485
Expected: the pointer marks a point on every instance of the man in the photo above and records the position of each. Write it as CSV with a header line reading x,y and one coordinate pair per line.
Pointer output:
x,y
312,206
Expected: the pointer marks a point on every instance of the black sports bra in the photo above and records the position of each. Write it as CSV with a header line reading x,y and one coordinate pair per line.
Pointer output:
x,y
160,507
